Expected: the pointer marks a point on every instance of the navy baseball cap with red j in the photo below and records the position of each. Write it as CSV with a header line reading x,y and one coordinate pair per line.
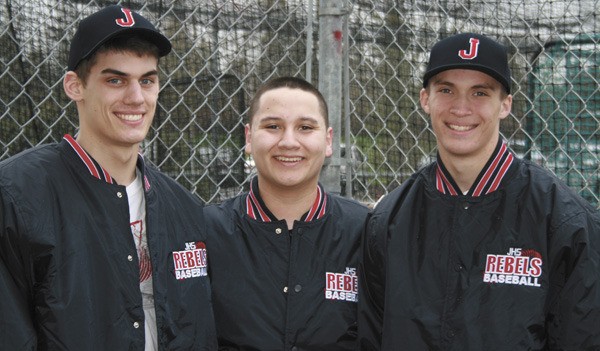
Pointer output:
x,y
469,51
108,23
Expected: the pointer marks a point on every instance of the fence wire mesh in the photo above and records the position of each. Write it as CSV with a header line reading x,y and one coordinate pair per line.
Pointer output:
x,y
224,49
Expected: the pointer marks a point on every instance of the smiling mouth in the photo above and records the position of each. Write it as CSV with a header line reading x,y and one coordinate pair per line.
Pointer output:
x,y
131,118
461,128
288,159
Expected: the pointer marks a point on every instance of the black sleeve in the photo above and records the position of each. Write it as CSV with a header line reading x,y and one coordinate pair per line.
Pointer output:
x,y
17,331
372,284
574,315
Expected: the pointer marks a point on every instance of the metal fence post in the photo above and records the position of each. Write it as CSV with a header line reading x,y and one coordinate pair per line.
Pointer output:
x,y
331,59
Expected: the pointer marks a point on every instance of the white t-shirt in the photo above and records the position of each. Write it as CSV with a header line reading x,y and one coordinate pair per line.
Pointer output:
x,y
137,221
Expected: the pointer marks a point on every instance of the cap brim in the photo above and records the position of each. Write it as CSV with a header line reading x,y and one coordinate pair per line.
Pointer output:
x,y
497,76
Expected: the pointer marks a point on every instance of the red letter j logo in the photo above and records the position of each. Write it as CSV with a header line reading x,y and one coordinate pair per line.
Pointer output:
x,y
128,21
472,53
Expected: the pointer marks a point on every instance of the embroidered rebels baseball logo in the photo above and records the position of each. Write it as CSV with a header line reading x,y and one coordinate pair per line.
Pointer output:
x,y
517,267
191,262
473,50
342,286
128,21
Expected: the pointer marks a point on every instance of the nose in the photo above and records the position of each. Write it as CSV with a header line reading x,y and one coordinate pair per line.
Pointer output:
x,y
288,139
134,95
460,106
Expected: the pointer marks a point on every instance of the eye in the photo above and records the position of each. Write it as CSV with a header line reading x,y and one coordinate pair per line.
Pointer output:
x,y
147,81
306,127
115,81
444,90
481,93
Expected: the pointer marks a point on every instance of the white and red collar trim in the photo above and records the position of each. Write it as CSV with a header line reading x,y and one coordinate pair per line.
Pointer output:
x,y
489,178
256,209
95,169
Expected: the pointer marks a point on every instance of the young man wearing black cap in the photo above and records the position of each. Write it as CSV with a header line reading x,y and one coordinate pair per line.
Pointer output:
x,y
97,249
479,250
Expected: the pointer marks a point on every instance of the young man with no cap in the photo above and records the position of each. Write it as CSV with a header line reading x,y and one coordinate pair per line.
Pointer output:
x,y
283,256
480,250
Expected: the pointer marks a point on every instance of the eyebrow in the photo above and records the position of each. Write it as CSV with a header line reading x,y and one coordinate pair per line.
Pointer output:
x,y
309,119
123,74
273,118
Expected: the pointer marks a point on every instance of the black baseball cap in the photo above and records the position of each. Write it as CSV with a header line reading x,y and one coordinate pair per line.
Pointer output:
x,y
469,51
108,23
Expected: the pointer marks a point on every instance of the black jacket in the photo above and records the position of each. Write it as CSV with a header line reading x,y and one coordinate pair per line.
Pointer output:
x,y
275,289
69,271
512,265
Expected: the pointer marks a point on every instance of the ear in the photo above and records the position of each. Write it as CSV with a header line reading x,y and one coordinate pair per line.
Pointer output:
x,y
329,142
505,106
73,86
424,99
248,134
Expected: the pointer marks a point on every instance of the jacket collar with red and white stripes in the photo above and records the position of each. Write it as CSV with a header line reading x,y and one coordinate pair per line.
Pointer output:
x,y
256,208
487,181
94,167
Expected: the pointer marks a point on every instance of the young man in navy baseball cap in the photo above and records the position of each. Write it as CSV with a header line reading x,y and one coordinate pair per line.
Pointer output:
x,y
98,250
480,250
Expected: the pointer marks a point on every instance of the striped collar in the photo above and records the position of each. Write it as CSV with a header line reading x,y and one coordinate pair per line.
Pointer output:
x,y
256,208
94,167
487,181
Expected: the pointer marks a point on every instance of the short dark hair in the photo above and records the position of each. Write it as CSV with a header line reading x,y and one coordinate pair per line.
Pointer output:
x,y
135,44
291,83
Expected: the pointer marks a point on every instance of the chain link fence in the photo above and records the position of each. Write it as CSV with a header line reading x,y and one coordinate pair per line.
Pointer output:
x,y
224,49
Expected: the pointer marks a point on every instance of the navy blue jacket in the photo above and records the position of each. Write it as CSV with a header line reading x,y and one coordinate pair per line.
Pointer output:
x,y
69,271
280,289
512,265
